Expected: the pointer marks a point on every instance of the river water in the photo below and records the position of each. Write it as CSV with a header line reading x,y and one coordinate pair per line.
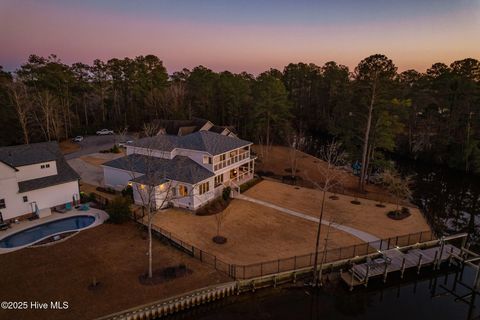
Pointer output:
x,y
451,202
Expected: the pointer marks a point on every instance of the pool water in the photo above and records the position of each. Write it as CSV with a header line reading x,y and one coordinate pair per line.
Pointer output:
x,y
36,233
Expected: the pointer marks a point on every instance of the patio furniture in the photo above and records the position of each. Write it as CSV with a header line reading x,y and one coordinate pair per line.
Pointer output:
x,y
4,226
68,206
85,207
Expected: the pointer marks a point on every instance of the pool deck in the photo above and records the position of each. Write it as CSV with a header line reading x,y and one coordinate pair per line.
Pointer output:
x,y
100,216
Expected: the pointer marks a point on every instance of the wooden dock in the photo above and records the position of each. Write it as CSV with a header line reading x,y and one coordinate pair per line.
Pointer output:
x,y
395,260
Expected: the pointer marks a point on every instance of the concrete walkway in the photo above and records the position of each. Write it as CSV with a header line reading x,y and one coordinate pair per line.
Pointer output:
x,y
364,236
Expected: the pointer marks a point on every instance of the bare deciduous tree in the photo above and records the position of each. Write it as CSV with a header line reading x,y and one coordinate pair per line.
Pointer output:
x,y
397,186
20,101
296,143
333,157
154,190
220,219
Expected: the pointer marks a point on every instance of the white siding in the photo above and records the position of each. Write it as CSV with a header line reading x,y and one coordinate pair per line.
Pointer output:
x,y
35,171
45,198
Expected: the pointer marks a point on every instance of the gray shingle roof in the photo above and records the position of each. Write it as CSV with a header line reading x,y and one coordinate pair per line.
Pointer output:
x,y
26,154
17,156
210,142
155,170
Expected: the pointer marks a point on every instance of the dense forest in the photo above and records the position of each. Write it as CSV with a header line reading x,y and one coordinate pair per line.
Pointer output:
x,y
373,110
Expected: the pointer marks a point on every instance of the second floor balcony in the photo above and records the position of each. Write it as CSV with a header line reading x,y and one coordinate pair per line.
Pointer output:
x,y
237,156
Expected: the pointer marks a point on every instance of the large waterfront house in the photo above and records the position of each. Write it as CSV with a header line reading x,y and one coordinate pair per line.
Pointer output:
x,y
34,178
189,169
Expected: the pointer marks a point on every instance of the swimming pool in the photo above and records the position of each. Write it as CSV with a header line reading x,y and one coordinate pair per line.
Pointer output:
x,y
34,234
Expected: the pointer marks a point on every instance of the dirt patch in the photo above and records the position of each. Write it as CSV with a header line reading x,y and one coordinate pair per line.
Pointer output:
x,y
68,146
163,275
113,255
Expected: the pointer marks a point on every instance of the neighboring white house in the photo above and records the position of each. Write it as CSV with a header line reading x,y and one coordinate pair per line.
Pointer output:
x,y
194,168
35,177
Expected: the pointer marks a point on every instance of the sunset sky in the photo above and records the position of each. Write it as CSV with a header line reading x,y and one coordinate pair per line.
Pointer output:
x,y
238,35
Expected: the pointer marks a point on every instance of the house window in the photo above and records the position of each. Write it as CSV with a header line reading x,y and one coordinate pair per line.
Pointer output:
x,y
47,165
204,187
182,190
25,199
223,157
2,204
207,160
43,166
218,180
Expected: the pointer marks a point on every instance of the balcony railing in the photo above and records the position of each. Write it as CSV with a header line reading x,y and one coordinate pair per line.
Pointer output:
x,y
227,162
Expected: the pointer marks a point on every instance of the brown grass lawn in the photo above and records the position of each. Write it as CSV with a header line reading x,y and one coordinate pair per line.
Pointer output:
x,y
255,233
366,216
114,254
68,146
279,159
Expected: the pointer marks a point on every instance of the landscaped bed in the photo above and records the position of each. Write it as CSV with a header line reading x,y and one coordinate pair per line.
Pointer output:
x,y
111,256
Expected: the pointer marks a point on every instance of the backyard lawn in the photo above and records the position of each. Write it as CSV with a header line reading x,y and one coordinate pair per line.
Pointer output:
x,y
115,255
254,233
366,216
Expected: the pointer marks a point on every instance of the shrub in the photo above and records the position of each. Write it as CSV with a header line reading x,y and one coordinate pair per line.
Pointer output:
x,y
119,210
247,185
226,193
115,149
128,192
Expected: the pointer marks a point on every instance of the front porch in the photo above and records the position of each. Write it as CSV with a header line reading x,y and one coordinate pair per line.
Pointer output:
x,y
240,175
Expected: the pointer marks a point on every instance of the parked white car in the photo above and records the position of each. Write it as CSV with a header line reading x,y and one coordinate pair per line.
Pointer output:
x,y
104,132
77,139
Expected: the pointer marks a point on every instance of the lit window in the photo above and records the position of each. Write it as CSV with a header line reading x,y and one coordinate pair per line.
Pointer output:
x,y
182,190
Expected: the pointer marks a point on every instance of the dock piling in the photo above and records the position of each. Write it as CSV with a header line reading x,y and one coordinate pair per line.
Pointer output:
x,y
403,269
385,273
419,263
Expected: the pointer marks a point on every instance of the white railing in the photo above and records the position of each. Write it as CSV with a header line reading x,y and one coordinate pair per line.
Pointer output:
x,y
232,160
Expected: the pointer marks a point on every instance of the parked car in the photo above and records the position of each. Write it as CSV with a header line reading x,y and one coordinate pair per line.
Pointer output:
x,y
125,143
77,139
104,132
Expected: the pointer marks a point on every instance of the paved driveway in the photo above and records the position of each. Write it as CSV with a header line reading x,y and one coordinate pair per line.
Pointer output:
x,y
93,144
89,167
